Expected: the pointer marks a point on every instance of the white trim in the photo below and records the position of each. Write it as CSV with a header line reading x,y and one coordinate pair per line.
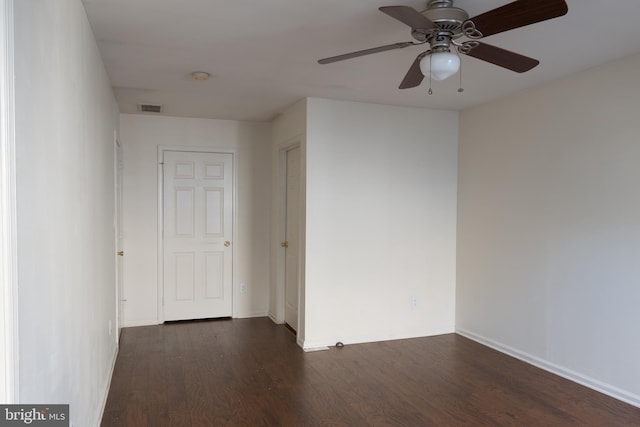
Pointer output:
x,y
9,360
137,323
160,239
300,342
312,349
372,338
250,314
117,224
106,392
273,318
161,150
592,383
280,235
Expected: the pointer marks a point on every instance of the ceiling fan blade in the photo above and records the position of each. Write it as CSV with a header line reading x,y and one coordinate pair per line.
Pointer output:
x,y
518,14
409,16
503,58
364,52
414,76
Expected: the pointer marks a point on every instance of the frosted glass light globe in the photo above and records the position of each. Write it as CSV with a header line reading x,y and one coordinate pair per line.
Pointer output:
x,y
441,65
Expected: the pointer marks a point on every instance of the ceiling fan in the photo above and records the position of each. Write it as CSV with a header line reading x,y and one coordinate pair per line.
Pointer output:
x,y
441,25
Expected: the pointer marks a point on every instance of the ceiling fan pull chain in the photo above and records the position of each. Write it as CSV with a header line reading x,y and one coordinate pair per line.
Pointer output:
x,y
460,89
430,92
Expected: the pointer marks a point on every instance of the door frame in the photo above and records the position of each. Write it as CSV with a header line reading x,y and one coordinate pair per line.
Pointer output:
x,y
118,165
234,224
9,328
281,229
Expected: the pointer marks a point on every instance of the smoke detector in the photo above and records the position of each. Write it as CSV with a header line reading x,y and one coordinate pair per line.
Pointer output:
x,y
200,75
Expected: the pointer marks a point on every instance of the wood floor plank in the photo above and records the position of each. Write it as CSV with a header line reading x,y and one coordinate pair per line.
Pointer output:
x,y
250,372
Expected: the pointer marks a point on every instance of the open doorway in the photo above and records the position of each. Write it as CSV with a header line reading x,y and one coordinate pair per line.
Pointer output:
x,y
291,243
290,226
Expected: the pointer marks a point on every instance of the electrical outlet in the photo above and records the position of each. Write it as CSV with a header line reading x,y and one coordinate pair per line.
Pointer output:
x,y
414,303
243,288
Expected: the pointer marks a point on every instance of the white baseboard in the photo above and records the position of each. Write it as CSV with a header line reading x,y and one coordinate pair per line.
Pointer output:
x,y
106,391
153,322
609,390
250,314
135,323
362,339
274,319
309,350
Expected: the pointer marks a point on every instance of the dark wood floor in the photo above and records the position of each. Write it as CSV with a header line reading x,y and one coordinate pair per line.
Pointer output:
x,y
250,372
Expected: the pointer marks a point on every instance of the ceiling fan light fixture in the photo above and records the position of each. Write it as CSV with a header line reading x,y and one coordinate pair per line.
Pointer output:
x,y
441,65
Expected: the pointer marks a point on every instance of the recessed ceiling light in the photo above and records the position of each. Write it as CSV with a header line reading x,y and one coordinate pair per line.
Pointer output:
x,y
200,75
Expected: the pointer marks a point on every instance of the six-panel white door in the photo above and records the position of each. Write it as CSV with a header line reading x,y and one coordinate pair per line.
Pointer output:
x,y
197,235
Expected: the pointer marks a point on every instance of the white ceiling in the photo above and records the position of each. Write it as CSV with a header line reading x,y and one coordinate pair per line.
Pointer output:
x,y
262,54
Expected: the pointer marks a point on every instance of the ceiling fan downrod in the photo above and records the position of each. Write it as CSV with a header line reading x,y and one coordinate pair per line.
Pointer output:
x,y
432,4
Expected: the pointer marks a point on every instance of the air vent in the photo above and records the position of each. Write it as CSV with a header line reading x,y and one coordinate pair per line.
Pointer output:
x,y
150,108
450,26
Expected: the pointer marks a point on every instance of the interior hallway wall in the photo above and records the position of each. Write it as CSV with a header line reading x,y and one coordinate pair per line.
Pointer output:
x,y
65,121
141,135
549,227
381,187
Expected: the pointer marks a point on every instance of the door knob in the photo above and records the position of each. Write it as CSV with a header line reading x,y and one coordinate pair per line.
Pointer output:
x,y
227,243
284,244
120,253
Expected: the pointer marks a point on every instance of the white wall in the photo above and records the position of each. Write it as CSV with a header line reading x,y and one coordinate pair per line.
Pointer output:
x,y
549,227
141,135
65,121
380,222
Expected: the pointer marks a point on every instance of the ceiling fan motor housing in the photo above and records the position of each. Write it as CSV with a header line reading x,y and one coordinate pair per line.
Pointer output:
x,y
449,20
